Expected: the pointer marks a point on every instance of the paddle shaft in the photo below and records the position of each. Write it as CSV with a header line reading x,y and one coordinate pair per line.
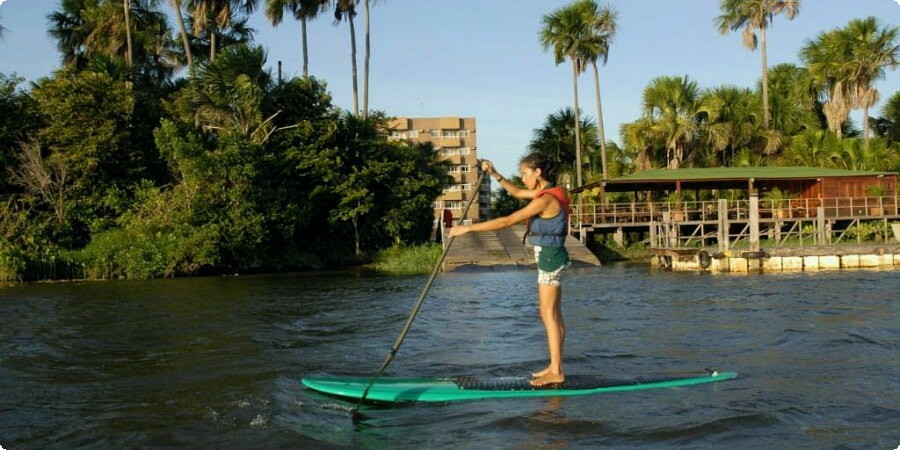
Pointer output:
x,y
418,306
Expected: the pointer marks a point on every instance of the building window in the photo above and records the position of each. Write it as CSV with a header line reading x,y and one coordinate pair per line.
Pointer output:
x,y
455,151
463,169
413,134
435,133
437,204
459,187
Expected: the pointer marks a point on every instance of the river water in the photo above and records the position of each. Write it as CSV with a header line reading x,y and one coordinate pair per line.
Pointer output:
x,y
216,362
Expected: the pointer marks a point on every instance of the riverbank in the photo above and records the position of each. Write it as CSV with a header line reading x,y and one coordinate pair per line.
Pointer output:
x,y
773,260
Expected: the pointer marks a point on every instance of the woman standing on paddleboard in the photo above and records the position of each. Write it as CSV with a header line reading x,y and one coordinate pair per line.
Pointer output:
x,y
548,216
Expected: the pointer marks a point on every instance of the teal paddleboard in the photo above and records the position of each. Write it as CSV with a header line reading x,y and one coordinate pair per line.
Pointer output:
x,y
395,390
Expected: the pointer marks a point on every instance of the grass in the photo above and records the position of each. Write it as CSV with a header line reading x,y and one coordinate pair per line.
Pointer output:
x,y
414,259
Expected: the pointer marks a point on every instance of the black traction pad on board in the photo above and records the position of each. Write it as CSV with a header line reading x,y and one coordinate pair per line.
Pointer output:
x,y
573,382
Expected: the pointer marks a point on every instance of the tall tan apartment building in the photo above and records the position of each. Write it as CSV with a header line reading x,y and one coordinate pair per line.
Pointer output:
x,y
455,138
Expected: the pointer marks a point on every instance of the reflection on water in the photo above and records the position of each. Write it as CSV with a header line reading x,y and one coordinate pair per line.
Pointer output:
x,y
217,361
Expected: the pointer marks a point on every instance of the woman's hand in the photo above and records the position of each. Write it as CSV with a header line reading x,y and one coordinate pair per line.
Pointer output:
x,y
459,230
488,167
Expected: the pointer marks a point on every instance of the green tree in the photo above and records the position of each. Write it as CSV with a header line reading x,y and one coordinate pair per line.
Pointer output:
x,y
869,49
365,109
378,182
346,10
670,108
88,128
825,60
888,125
129,53
228,94
600,34
877,155
297,158
200,44
556,139
812,148
753,16
793,100
212,16
565,30
182,31
735,125
302,10
504,204
85,30
621,161
69,28
20,119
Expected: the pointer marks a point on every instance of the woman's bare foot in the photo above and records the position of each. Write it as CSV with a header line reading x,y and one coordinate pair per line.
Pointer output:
x,y
548,379
541,373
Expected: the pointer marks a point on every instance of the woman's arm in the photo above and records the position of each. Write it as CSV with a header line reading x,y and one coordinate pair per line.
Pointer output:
x,y
513,190
533,208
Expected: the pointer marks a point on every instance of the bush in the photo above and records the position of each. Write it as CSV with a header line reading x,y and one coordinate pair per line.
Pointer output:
x,y
408,259
12,262
129,254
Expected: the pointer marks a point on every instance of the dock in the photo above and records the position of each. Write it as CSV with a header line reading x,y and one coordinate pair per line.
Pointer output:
x,y
504,249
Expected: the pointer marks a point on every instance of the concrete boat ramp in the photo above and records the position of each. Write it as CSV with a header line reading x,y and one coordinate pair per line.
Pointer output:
x,y
504,248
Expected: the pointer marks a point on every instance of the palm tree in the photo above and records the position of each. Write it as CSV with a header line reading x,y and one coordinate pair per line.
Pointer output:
x,y
214,15
752,15
812,148
556,139
825,60
129,54
565,30
87,29
365,109
735,124
185,39
600,34
303,10
869,50
888,125
639,140
201,44
793,100
671,105
857,154
346,10
68,26
227,94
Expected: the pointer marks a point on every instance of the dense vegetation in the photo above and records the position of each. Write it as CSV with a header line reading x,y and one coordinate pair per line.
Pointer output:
x,y
154,152
113,167
796,115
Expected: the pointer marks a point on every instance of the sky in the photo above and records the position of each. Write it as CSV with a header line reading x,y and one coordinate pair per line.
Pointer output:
x,y
482,58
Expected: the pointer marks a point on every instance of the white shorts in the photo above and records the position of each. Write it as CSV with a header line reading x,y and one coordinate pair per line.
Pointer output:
x,y
548,278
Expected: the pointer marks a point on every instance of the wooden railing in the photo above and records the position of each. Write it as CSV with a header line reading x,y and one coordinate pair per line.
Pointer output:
x,y
641,213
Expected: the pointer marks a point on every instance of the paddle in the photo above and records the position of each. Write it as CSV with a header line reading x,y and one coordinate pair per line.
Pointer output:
x,y
415,310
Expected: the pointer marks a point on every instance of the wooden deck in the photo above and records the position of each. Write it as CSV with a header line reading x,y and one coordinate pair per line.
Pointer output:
x,y
505,249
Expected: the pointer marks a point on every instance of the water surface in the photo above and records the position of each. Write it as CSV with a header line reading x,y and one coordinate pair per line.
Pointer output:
x,y
216,362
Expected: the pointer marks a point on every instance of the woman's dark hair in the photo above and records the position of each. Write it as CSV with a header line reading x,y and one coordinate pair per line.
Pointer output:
x,y
539,161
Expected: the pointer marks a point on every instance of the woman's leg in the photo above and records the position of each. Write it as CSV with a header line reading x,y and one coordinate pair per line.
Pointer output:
x,y
549,303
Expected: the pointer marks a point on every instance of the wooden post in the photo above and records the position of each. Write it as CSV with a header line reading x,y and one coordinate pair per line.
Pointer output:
x,y
619,237
653,242
820,226
723,225
754,222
